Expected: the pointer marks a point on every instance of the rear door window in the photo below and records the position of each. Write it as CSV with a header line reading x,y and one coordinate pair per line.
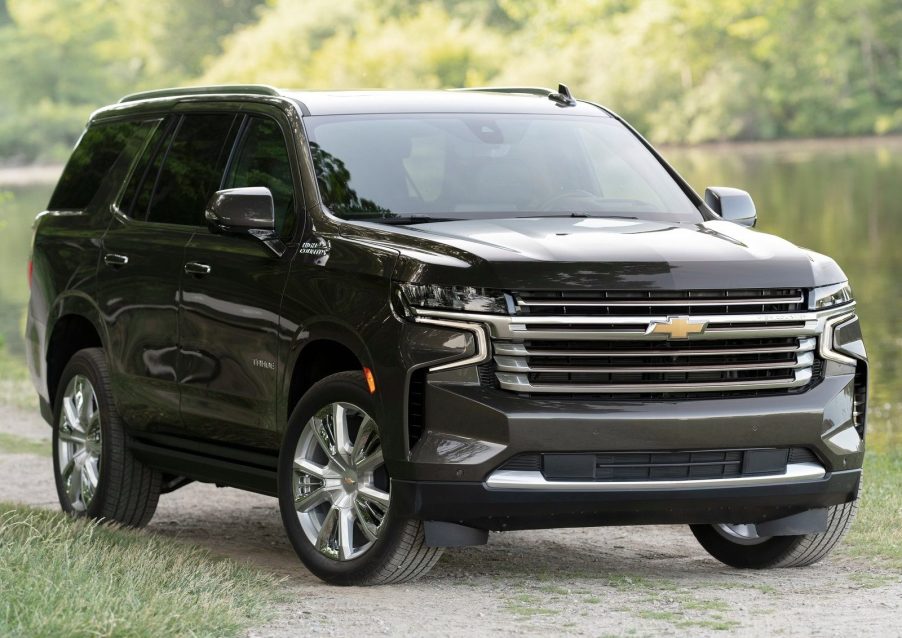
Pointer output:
x,y
101,157
191,170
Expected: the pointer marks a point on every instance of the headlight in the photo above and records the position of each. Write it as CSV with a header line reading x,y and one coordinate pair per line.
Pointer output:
x,y
828,296
460,298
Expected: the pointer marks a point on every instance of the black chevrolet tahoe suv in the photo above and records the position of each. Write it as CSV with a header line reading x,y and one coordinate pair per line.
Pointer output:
x,y
417,317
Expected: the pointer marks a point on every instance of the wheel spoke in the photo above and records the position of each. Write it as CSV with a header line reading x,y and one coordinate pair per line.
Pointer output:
x,y
71,413
366,521
88,482
72,436
346,533
374,495
323,434
73,486
327,532
365,435
66,472
84,399
306,502
371,462
310,468
340,429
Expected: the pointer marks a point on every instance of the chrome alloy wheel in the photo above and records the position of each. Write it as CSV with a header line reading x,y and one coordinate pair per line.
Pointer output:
x,y
740,533
339,482
80,442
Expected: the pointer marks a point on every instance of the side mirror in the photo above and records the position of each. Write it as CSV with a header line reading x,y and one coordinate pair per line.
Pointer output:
x,y
238,211
732,204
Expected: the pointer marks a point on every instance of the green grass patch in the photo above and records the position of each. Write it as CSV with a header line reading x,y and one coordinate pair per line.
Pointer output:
x,y
65,577
877,531
12,444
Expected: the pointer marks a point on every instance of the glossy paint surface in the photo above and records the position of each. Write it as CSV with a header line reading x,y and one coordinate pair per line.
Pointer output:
x,y
211,355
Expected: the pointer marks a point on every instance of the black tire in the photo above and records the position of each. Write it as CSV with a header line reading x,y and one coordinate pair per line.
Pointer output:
x,y
399,554
779,551
127,491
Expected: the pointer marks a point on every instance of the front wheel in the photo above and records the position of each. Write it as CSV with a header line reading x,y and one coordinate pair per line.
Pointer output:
x,y
335,492
739,545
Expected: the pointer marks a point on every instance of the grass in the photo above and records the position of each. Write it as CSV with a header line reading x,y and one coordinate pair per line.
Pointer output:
x,y
877,532
12,444
65,577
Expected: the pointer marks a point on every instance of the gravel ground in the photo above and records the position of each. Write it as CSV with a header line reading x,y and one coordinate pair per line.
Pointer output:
x,y
620,581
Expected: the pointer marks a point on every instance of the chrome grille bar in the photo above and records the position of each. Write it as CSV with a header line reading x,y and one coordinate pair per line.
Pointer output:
x,y
760,301
521,350
517,382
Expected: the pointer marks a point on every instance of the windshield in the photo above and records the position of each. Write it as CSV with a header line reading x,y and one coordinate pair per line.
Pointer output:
x,y
431,167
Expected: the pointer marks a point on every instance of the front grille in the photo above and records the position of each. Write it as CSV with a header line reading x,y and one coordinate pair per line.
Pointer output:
x,y
660,466
562,344
653,302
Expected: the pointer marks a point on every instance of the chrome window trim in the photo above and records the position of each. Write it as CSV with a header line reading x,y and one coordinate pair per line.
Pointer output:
x,y
534,481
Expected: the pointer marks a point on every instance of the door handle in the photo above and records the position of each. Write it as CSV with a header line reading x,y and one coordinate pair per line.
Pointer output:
x,y
197,269
114,260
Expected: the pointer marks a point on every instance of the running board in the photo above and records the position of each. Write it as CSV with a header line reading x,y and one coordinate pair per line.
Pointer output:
x,y
207,468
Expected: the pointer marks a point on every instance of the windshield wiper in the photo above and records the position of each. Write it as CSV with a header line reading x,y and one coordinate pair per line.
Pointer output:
x,y
407,220
582,215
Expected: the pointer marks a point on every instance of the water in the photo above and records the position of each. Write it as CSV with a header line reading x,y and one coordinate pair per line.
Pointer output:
x,y
842,198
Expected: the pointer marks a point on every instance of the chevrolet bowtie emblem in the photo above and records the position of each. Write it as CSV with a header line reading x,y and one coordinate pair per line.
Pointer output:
x,y
676,327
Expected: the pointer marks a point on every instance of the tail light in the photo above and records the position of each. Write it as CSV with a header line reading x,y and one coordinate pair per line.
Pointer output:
x,y
30,272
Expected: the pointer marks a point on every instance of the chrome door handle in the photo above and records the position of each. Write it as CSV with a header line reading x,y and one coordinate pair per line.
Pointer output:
x,y
197,269
114,260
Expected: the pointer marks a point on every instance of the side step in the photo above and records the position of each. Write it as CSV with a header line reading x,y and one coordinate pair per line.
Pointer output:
x,y
209,463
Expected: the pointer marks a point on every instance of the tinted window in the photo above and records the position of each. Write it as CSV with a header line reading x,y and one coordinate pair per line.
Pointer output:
x,y
136,195
103,153
490,165
191,170
262,160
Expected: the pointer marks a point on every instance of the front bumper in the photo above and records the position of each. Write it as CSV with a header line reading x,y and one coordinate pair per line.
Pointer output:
x,y
474,504
471,429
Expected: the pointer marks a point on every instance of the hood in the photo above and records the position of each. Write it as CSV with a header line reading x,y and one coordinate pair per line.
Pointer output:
x,y
599,253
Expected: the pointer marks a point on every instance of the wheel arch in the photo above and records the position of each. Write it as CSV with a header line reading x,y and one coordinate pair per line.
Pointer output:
x,y
316,353
75,325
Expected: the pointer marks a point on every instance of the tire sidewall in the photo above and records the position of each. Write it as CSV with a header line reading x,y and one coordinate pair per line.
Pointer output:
x,y
85,364
760,556
345,388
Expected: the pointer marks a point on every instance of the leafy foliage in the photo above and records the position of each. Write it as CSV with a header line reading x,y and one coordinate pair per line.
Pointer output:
x,y
681,70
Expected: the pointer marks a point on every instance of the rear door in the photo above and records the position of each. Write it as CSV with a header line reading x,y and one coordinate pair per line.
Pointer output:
x,y
231,299
143,255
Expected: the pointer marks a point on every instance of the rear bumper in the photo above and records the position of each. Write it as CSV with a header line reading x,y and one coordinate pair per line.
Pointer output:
x,y
475,504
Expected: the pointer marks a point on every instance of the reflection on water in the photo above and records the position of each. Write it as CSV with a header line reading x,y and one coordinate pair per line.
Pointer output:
x,y
840,198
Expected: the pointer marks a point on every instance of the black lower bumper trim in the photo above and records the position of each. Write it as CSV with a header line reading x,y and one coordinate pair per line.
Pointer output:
x,y
476,505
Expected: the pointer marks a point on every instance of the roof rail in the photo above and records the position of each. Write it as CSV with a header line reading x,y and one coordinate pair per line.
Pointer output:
x,y
561,97
529,90
240,89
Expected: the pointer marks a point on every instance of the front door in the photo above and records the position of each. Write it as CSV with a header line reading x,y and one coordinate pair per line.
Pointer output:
x,y
230,303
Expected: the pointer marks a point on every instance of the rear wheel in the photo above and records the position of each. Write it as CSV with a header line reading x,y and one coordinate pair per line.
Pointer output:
x,y
95,473
739,545
335,492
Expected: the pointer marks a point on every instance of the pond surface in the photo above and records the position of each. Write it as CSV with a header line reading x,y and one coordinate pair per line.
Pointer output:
x,y
841,198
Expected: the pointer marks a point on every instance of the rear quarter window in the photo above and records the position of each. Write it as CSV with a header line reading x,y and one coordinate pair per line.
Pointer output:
x,y
103,152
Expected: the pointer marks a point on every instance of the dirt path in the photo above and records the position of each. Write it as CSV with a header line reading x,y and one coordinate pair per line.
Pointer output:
x,y
593,582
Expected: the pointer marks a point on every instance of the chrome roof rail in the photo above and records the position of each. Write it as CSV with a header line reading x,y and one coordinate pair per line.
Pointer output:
x,y
238,89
